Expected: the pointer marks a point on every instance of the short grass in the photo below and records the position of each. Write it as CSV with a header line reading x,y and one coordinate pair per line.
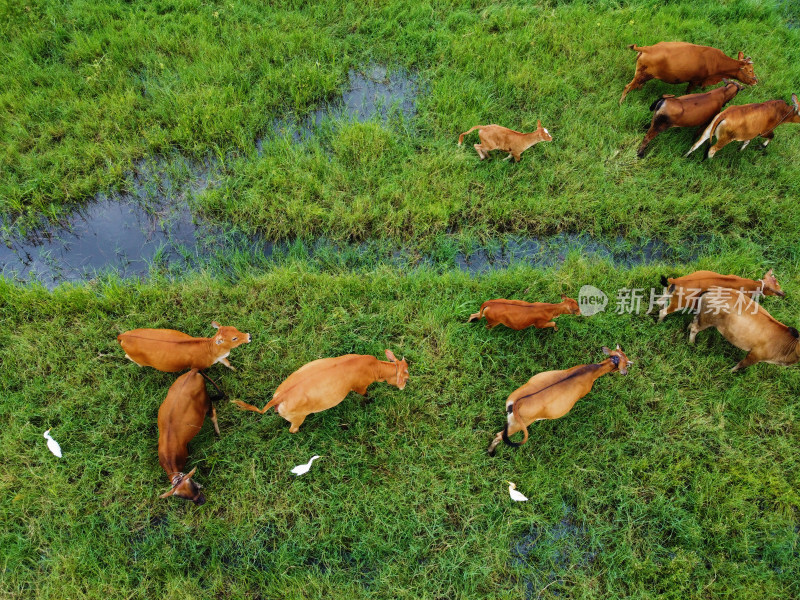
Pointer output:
x,y
678,481
89,88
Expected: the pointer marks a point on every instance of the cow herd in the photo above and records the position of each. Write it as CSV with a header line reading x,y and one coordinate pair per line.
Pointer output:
x,y
677,62
726,302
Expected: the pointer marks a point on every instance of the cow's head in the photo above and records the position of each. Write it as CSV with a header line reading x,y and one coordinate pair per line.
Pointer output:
x,y
770,285
183,487
229,337
571,305
402,370
746,73
619,359
543,133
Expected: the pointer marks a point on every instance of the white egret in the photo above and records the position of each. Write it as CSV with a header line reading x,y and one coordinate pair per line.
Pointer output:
x,y
52,444
301,469
515,495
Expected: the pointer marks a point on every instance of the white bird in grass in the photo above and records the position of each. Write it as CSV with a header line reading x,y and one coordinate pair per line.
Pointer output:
x,y
515,495
52,444
301,469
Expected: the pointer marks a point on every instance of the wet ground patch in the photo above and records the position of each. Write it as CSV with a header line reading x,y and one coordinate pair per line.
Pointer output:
x,y
547,554
372,92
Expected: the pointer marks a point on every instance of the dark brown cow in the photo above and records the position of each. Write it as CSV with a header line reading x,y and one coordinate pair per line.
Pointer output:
x,y
518,314
180,418
679,62
748,326
748,121
691,110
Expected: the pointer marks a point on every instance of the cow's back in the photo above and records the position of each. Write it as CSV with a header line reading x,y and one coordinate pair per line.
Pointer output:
x,y
167,350
182,413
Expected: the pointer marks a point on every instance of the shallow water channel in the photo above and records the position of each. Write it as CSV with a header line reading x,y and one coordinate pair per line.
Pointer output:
x,y
151,222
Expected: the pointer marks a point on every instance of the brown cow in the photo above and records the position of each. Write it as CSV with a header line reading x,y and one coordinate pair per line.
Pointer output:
x,y
552,394
687,111
748,326
518,314
324,383
170,351
679,62
179,419
684,292
496,137
745,122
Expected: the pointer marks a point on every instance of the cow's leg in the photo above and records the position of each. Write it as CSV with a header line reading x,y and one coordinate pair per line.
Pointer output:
x,y
490,323
692,85
696,327
745,145
745,362
509,157
296,421
225,362
516,156
658,125
723,139
668,309
497,439
133,361
213,413
639,79
767,138
548,324
480,150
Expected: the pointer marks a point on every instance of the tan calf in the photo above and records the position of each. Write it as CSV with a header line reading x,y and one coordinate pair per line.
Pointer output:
x,y
552,394
180,418
748,326
684,292
518,314
679,62
746,122
497,137
324,383
171,351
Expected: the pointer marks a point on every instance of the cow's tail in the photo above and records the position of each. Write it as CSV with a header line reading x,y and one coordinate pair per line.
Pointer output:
x,y
709,132
514,412
636,48
657,104
221,395
245,406
461,137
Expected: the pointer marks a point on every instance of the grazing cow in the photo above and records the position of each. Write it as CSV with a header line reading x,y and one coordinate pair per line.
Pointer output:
x,y
748,326
687,111
518,314
496,137
679,62
324,383
179,419
552,394
745,122
171,351
684,292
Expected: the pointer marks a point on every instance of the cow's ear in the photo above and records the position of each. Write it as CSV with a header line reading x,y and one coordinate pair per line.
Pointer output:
x,y
190,473
390,355
606,350
741,55
215,325
538,124
563,296
796,105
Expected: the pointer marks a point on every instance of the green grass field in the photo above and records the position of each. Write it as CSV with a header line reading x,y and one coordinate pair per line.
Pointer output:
x,y
678,481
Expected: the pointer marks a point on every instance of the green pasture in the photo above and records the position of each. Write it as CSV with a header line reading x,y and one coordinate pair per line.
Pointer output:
x,y
680,480
90,88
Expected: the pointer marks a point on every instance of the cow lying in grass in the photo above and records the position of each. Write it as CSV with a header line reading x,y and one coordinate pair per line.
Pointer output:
x,y
518,314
